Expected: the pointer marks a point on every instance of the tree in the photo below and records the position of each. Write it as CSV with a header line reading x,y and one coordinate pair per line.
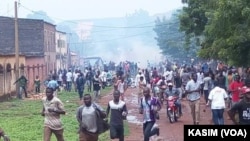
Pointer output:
x,y
170,40
222,27
227,34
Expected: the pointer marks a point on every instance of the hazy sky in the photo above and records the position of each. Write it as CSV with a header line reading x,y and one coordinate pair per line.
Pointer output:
x,y
61,10
86,9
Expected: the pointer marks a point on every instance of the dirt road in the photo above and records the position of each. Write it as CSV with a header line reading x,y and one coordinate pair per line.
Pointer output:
x,y
168,131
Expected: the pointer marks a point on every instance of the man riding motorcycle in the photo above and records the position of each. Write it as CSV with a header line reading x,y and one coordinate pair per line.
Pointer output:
x,y
171,91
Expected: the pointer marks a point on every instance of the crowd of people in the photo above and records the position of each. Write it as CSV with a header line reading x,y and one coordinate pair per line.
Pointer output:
x,y
222,88
225,88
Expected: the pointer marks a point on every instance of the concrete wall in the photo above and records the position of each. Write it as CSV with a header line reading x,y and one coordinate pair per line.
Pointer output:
x,y
7,73
30,67
35,66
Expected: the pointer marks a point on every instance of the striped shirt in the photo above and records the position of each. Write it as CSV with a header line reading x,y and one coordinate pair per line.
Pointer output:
x,y
147,106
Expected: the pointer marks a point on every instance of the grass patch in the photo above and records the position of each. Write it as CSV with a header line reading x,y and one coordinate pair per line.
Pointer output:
x,y
126,129
22,121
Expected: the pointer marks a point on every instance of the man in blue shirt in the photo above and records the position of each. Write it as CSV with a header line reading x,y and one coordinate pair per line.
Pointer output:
x,y
193,96
171,91
53,84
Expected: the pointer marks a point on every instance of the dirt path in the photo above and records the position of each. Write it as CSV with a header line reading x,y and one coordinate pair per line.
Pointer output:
x,y
168,131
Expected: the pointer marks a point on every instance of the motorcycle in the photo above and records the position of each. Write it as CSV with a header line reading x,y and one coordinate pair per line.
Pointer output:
x,y
172,109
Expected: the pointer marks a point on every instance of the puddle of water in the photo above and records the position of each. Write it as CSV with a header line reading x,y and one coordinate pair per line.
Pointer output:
x,y
133,119
133,99
132,111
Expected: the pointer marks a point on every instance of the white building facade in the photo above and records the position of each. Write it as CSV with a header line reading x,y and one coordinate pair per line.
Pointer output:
x,y
61,51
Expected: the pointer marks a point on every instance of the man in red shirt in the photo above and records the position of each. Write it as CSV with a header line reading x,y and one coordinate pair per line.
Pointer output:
x,y
235,88
246,85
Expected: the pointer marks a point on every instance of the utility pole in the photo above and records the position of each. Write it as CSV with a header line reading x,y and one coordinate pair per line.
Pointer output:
x,y
16,47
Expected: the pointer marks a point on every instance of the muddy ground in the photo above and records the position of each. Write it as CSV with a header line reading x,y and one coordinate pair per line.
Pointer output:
x,y
168,131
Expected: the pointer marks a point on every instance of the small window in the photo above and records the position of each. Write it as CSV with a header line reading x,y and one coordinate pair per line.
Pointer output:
x,y
22,67
1,68
8,67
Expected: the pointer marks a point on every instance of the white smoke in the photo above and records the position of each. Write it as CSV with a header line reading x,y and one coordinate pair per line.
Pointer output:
x,y
83,30
136,52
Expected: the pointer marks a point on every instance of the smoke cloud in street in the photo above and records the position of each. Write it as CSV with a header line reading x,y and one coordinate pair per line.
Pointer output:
x,y
137,52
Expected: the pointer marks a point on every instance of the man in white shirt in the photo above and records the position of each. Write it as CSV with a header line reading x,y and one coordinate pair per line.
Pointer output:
x,y
75,75
168,75
137,78
200,77
103,77
69,77
217,97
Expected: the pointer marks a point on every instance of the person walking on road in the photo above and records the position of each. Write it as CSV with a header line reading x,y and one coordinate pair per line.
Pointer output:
x,y
97,84
141,85
207,85
80,85
121,87
52,109
193,96
217,97
119,112
149,106
54,85
235,88
87,119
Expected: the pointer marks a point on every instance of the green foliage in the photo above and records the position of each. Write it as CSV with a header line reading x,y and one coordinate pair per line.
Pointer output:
x,y
224,24
172,41
22,121
193,19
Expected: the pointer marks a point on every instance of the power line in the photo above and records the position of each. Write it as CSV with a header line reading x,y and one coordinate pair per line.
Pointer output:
x,y
114,27
91,42
100,26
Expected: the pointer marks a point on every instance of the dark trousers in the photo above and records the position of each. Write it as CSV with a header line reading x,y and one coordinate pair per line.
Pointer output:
x,y
147,126
87,136
68,86
21,90
89,85
37,88
218,116
117,131
80,92
178,105
206,93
